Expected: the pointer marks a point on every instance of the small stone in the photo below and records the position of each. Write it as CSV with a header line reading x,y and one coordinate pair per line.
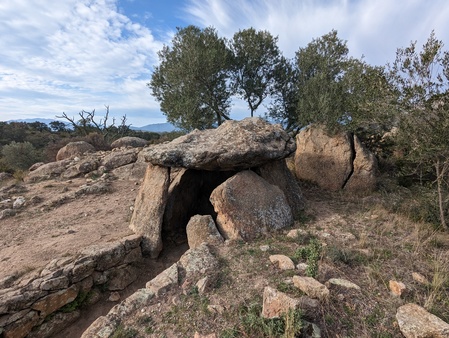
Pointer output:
x,y
311,287
397,288
343,283
302,267
295,233
114,297
264,248
216,309
203,285
276,303
417,277
198,335
19,202
283,262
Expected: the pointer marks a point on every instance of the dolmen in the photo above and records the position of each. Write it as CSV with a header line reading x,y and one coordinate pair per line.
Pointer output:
x,y
235,173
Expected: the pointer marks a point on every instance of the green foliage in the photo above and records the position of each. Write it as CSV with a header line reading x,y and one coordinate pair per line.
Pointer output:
x,y
312,254
421,80
124,332
255,64
79,302
191,81
20,156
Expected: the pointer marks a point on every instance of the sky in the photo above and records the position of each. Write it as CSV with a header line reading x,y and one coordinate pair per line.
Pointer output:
x,y
66,56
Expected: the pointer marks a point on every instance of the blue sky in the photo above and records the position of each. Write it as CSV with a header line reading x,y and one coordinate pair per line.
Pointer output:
x,y
66,56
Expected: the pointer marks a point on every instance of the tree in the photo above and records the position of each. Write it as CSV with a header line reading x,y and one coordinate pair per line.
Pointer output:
x,y
256,60
322,95
20,155
421,79
284,105
191,82
58,126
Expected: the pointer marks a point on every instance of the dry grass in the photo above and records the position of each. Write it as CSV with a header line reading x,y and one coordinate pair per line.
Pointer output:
x,y
362,241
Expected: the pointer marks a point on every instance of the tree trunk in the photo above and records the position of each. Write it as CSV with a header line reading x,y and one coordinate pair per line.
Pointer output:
x,y
440,174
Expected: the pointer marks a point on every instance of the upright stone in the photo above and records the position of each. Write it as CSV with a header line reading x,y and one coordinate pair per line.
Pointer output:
x,y
323,159
149,209
248,206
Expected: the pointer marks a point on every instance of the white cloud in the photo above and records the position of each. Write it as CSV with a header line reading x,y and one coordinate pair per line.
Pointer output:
x,y
81,52
375,28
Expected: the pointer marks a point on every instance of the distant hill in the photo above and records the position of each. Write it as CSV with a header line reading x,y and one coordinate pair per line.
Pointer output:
x,y
156,127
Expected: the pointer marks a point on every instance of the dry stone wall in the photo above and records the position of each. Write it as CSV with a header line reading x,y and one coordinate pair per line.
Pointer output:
x,y
32,307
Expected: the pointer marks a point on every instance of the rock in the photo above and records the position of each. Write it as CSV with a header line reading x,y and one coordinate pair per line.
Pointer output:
x,y
47,171
247,206
365,171
415,322
397,288
82,167
121,277
19,202
323,159
22,327
35,166
7,213
420,278
117,159
129,141
199,335
277,173
235,145
74,149
276,303
133,171
114,297
302,267
334,162
204,284
216,309
5,176
149,209
202,229
106,255
163,282
198,261
102,327
55,324
311,287
342,283
264,248
54,301
283,262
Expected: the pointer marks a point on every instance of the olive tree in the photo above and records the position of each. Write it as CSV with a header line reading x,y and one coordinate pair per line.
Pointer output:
x,y
191,81
256,59
421,79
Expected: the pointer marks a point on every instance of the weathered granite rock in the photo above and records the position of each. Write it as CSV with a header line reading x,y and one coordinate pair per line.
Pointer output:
x,y
276,303
20,328
311,287
365,172
323,159
335,162
149,209
129,141
198,260
340,282
415,322
73,149
54,301
47,171
248,206
133,171
164,281
283,262
202,228
117,159
278,174
55,324
235,145
121,276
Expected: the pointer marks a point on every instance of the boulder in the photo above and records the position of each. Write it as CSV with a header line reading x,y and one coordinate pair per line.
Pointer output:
x,y
415,322
247,206
117,159
235,145
202,228
283,262
278,174
74,149
365,173
311,287
165,281
335,162
129,141
47,171
149,209
276,303
323,159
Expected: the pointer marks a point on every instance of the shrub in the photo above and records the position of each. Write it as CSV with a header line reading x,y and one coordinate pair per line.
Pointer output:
x,y
20,156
